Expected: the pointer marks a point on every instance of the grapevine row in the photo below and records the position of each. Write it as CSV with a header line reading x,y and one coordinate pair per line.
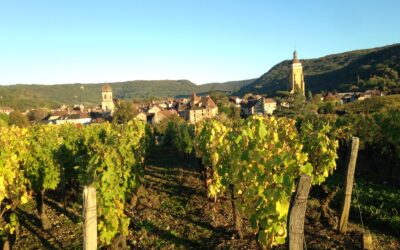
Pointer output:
x,y
259,159
109,157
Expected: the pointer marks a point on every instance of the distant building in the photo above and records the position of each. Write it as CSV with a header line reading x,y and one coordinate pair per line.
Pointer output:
x,y
296,78
56,115
79,107
75,118
247,108
141,116
265,106
235,100
154,109
198,108
162,115
107,104
260,106
363,97
6,110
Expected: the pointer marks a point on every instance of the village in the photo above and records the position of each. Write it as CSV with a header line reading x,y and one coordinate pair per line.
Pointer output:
x,y
194,108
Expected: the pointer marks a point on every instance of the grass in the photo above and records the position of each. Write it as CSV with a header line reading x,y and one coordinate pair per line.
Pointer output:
x,y
379,204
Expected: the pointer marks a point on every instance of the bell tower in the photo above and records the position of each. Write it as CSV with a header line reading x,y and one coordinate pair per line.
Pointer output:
x,y
296,78
107,103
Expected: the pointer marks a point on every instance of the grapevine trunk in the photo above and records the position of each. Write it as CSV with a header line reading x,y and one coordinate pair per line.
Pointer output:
x,y
46,224
236,214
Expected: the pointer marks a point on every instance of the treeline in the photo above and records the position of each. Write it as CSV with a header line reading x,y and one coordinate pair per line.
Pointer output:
x,y
357,70
24,96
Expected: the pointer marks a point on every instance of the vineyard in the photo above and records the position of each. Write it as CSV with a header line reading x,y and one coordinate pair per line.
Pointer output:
x,y
219,184
108,157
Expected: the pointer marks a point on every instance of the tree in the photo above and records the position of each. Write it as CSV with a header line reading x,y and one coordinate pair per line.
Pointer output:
x,y
36,115
161,127
3,120
18,119
297,106
317,98
309,95
125,112
219,98
236,113
327,108
230,110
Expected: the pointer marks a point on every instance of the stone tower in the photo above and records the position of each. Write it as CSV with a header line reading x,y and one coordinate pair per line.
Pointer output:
x,y
107,103
296,78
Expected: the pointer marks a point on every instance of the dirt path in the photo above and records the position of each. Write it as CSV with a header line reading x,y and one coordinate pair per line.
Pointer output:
x,y
172,210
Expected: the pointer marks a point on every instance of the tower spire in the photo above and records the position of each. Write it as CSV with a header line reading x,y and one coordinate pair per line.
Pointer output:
x,y
295,58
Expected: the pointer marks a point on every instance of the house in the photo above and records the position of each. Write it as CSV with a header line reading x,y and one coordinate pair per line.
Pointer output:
x,y
260,106
169,103
56,115
363,96
247,107
163,105
265,106
198,108
141,116
374,92
154,109
330,97
284,104
235,100
6,110
162,115
346,97
75,118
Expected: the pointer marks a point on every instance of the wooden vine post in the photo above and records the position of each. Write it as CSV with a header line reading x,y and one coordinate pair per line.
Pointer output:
x,y
90,218
236,214
349,184
297,213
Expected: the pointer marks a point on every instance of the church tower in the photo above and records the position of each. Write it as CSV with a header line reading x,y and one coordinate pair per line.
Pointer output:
x,y
296,78
107,103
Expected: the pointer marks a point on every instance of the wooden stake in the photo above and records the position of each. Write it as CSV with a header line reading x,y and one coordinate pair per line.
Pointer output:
x,y
6,245
297,213
90,217
367,241
349,185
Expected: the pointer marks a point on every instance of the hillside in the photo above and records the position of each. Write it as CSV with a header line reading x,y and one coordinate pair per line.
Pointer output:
x,y
22,96
353,70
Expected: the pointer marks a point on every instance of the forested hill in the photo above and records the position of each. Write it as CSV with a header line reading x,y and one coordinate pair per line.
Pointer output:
x,y
22,96
353,70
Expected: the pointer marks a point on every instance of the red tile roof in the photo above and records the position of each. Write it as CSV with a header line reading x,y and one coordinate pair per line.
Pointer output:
x,y
106,88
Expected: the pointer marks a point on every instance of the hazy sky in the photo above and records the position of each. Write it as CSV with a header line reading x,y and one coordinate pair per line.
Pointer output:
x,y
203,41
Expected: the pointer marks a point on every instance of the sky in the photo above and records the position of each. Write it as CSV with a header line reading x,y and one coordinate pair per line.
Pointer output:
x,y
95,41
